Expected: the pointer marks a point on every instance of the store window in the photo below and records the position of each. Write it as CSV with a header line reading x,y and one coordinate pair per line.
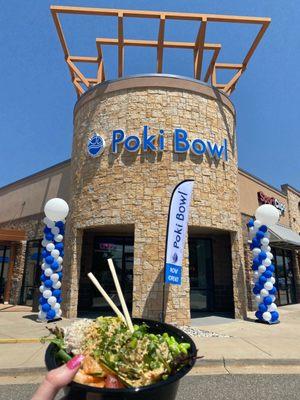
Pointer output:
x,y
4,266
284,276
32,272
120,249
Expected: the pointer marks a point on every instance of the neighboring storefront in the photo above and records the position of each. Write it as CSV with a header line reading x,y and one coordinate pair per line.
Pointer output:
x,y
134,140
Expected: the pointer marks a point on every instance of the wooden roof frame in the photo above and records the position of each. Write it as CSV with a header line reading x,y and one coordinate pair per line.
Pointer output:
x,y
81,82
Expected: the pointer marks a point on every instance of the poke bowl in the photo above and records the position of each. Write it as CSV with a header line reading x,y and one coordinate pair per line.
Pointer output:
x,y
147,364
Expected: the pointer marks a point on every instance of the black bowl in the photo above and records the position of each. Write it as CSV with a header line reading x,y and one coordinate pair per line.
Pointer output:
x,y
163,390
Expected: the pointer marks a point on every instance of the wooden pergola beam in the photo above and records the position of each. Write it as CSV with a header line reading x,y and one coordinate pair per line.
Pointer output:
x,y
100,70
77,72
160,44
212,64
154,43
157,14
120,45
233,81
199,49
84,59
228,66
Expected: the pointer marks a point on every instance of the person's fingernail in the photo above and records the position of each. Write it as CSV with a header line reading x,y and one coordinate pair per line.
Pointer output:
x,y
75,362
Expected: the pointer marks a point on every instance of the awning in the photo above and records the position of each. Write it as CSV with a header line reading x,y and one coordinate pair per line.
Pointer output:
x,y
12,235
285,237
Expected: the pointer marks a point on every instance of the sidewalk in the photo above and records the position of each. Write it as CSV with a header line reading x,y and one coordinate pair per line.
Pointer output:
x,y
235,343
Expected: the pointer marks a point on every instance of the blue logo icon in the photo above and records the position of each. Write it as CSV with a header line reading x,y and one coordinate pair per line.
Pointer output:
x,y
95,145
175,257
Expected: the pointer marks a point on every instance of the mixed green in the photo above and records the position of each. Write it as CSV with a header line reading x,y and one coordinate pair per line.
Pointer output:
x,y
115,357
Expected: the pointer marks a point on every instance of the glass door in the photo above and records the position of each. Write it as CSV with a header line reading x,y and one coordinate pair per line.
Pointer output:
x,y
201,274
32,272
120,249
284,276
4,267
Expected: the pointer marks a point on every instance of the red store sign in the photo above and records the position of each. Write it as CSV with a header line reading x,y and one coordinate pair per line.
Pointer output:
x,y
264,199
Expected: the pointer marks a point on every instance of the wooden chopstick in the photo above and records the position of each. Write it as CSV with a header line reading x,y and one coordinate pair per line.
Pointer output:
x,y
120,294
106,296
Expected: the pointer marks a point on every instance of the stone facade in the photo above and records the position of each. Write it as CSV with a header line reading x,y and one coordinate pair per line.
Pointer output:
x,y
129,188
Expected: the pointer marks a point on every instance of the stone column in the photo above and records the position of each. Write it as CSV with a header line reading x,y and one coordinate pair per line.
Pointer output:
x,y
18,272
296,272
238,275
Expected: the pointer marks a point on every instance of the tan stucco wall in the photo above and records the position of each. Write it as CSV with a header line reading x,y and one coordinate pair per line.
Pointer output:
x,y
249,187
135,189
28,196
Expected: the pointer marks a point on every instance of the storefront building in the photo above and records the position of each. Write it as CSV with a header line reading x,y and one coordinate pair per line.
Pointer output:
x,y
135,138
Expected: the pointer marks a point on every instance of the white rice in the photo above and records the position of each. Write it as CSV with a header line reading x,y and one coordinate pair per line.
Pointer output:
x,y
74,335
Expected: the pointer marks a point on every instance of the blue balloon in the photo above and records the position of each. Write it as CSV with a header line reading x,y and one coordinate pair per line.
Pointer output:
x,y
56,293
60,275
267,274
268,300
262,280
50,314
262,256
55,265
273,290
62,253
47,230
59,224
275,316
59,299
258,315
271,268
49,260
250,223
49,236
43,277
256,242
48,283
59,246
259,235
62,231
256,290
45,253
263,228
42,300
262,308
46,307
255,267
256,261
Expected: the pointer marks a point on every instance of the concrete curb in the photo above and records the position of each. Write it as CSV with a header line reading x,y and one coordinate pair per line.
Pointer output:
x,y
246,362
206,363
21,340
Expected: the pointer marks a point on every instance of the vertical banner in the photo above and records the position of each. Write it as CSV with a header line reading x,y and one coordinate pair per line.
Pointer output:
x,y
176,231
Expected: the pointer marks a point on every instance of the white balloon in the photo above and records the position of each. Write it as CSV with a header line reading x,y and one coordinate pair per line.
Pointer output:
x,y
272,307
56,306
59,268
51,224
57,285
256,274
41,288
46,220
264,292
262,269
47,293
266,262
265,241
51,300
50,247
59,312
267,316
264,248
59,260
268,285
54,277
270,255
58,238
272,280
267,235
252,232
41,316
55,230
273,297
55,253
268,248
44,242
44,266
256,251
258,298
257,223
267,214
56,209
48,272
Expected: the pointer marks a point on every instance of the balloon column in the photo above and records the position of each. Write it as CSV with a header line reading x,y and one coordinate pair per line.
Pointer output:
x,y
56,211
263,269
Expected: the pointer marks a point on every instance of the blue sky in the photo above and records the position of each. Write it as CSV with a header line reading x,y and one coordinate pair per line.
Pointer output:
x,y
37,97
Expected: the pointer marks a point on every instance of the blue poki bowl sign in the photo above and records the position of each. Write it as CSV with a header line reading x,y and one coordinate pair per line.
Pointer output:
x,y
95,145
